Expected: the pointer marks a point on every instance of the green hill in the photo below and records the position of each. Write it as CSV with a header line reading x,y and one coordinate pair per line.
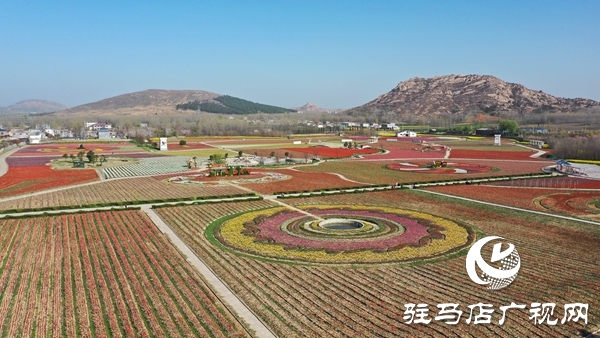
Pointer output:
x,y
232,105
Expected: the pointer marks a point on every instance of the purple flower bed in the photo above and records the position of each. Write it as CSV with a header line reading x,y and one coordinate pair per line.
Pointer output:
x,y
22,161
270,229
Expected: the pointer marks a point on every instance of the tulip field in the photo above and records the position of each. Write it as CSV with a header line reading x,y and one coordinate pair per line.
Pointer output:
x,y
339,301
30,174
331,263
122,190
107,274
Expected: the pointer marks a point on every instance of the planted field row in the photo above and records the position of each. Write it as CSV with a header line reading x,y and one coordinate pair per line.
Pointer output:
x,y
123,190
108,274
562,201
377,173
149,167
107,148
300,301
25,179
300,181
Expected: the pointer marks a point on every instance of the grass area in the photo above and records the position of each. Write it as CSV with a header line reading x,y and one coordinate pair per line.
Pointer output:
x,y
62,163
198,152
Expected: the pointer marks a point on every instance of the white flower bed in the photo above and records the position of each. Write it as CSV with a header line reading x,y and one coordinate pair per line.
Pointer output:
x,y
149,167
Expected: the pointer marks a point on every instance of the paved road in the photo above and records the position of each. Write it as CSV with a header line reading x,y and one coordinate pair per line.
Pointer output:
x,y
3,164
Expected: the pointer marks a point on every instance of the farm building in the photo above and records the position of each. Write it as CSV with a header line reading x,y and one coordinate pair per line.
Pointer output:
x,y
105,134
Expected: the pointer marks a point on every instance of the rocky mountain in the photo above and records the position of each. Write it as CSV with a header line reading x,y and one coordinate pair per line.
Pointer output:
x,y
32,107
147,102
463,94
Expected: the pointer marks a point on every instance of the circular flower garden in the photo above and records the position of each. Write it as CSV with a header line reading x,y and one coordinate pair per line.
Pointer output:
x,y
341,234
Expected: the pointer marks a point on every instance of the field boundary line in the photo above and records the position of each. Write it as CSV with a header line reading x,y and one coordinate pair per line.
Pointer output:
x,y
512,208
225,294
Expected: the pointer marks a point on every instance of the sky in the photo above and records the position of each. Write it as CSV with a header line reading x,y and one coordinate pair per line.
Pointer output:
x,y
336,54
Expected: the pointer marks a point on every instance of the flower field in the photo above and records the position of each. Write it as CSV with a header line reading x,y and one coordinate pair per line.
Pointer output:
x,y
326,152
557,201
149,167
59,149
190,144
451,168
123,190
577,203
306,301
403,235
30,174
109,274
300,181
514,197
497,155
374,171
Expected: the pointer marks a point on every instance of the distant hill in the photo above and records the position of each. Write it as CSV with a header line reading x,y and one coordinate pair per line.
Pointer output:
x,y
32,107
462,94
231,105
313,108
165,102
147,102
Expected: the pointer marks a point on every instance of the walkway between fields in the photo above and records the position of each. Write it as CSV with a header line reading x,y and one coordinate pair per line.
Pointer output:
x,y
538,151
223,291
273,198
3,163
511,208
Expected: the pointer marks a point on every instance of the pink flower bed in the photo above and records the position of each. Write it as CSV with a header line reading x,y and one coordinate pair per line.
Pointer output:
x,y
414,232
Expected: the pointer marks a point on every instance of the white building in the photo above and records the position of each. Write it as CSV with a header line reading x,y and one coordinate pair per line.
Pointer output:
x,y
35,137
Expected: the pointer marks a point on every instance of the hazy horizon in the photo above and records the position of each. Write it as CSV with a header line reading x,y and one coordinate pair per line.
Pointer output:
x,y
290,53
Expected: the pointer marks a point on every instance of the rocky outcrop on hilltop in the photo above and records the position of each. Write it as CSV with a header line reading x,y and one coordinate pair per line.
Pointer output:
x,y
453,94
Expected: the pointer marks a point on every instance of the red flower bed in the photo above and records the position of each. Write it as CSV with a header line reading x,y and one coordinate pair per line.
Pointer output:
x,y
499,155
396,154
25,179
325,152
572,203
71,148
300,181
514,197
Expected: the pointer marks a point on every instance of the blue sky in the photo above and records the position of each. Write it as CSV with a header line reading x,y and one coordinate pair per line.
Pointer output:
x,y
337,54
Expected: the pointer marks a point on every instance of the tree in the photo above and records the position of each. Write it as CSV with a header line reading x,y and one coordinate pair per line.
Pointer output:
x,y
80,155
90,156
509,126
272,154
182,142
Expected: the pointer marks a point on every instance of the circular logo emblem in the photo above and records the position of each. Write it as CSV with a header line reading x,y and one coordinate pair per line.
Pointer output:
x,y
504,267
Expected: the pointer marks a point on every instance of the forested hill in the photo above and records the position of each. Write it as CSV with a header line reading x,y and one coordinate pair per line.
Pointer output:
x,y
232,105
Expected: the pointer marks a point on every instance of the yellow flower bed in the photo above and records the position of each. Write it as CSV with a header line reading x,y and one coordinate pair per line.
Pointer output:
x,y
455,236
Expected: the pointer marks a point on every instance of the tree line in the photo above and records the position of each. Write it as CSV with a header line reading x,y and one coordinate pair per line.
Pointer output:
x,y
232,105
